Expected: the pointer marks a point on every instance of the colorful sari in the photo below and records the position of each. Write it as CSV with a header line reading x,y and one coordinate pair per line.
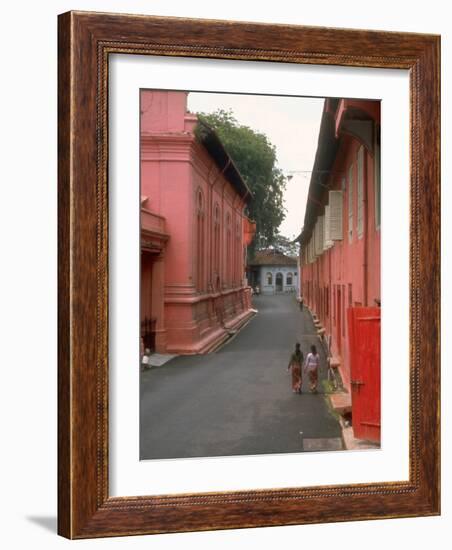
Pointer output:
x,y
295,366
312,367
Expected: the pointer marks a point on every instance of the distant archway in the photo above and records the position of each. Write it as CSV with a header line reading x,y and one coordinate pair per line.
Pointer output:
x,y
279,282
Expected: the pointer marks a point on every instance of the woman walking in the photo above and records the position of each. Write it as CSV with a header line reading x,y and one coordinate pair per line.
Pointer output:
x,y
311,365
296,360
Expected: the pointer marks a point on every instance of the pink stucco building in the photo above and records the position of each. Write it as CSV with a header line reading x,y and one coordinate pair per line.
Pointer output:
x,y
194,231
340,251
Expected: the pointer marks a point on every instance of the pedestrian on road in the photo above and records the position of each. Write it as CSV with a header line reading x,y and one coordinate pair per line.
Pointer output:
x,y
145,360
295,363
311,366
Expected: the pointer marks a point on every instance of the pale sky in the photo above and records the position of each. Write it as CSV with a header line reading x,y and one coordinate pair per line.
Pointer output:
x,y
291,125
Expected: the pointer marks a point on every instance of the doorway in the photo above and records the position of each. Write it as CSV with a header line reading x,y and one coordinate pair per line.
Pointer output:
x,y
148,321
279,282
364,327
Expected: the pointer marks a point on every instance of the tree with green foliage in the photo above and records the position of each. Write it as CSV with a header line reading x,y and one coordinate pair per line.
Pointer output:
x,y
285,246
255,158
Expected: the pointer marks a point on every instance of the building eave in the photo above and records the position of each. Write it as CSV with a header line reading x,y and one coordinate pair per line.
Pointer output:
x,y
327,147
210,140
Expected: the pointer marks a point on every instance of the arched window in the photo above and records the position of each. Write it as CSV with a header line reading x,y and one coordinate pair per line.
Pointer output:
x,y
228,249
200,241
269,278
237,255
289,279
216,240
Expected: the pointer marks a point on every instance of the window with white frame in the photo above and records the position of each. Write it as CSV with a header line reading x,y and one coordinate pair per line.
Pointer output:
x,y
319,236
335,211
269,277
289,279
327,242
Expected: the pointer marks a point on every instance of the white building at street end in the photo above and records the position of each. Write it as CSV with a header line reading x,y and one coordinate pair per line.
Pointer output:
x,y
274,272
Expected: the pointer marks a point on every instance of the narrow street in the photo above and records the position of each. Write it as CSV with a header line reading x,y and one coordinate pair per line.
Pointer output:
x,y
239,400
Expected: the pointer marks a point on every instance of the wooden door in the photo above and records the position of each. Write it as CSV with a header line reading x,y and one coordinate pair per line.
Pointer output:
x,y
365,356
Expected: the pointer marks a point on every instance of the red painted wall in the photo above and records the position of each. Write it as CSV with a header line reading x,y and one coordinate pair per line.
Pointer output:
x,y
346,274
204,287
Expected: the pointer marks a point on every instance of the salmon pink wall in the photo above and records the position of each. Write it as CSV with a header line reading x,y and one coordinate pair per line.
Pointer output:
x,y
163,111
181,182
348,274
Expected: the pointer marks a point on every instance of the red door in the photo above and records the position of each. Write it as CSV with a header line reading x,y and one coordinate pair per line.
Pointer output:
x,y
364,342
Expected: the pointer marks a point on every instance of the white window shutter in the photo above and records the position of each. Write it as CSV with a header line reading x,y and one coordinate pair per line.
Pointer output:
x,y
319,241
335,203
321,230
360,193
327,242
316,237
326,229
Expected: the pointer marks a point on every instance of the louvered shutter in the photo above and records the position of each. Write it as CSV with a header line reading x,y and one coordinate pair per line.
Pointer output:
x,y
335,203
321,231
318,236
327,242
360,193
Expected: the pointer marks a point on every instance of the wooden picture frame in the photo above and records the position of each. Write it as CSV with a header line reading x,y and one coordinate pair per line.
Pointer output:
x,y
85,508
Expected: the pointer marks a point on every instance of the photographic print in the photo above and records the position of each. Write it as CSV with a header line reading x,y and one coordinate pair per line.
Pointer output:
x,y
260,274
259,224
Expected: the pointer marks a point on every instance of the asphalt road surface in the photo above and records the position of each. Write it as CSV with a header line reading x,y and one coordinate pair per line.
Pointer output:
x,y
239,400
